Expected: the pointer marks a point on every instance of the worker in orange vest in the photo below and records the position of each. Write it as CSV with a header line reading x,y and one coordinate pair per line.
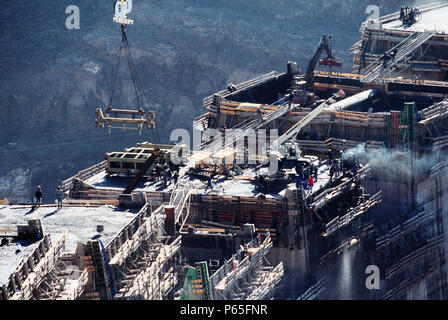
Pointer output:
x,y
311,182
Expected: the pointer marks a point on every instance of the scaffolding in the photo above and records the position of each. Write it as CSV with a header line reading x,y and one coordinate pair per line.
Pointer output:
x,y
25,281
402,53
141,266
248,278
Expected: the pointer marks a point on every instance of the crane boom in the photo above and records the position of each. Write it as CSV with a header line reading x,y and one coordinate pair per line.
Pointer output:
x,y
294,131
329,61
134,182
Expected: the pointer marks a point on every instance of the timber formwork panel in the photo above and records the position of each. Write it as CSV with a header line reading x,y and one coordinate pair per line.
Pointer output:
x,y
237,210
131,160
29,274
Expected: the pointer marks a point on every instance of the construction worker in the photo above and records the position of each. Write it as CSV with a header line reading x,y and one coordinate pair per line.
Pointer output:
x,y
165,177
209,184
313,171
310,182
158,169
266,185
291,99
337,169
224,136
59,196
175,177
329,156
393,54
168,173
332,172
386,57
298,182
38,195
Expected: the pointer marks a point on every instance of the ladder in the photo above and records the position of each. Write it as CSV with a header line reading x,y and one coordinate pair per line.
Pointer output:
x,y
180,200
203,276
102,277
404,51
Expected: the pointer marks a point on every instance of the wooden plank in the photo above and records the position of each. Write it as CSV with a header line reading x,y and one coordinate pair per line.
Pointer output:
x,y
91,201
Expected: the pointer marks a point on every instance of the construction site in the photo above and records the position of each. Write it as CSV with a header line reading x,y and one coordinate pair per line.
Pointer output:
x,y
297,183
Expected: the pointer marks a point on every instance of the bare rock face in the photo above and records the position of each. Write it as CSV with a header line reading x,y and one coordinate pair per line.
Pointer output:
x,y
15,185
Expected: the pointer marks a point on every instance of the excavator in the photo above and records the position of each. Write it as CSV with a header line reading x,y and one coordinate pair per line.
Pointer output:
x,y
285,148
324,44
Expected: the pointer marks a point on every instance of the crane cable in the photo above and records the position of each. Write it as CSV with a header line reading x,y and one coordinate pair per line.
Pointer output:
x,y
116,75
136,82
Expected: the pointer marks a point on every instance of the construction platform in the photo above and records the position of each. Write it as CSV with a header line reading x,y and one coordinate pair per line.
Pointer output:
x,y
365,187
72,226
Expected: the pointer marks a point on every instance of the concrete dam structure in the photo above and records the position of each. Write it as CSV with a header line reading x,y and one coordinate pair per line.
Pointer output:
x,y
300,186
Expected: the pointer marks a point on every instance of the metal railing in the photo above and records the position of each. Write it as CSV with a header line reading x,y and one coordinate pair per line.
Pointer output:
x,y
207,102
404,50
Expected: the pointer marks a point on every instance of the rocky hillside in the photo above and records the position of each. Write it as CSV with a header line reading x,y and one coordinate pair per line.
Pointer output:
x,y
53,78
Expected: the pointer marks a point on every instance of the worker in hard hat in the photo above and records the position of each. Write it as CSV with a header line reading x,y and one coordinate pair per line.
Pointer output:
x,y
209,184
38,197
59,196
175,177
329,156
310,182
266,185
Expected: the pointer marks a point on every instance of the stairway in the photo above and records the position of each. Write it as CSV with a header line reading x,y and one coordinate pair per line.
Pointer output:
x,y
404,50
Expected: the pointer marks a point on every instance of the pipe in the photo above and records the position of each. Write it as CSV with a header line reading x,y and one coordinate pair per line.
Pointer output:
x,y
359,102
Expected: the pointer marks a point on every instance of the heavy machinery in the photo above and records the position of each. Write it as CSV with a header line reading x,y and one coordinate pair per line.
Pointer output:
x,y
114,115
324,44
290,150
409,16
134,117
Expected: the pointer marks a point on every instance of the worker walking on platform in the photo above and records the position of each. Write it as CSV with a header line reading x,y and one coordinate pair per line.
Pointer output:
x,y
337,169
38,195
386,58
393,54
168,174
313,171
59,196
310,182
266,185
209,184
158,169
291,99
329,156
165,178
299,182
332,172
175,177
